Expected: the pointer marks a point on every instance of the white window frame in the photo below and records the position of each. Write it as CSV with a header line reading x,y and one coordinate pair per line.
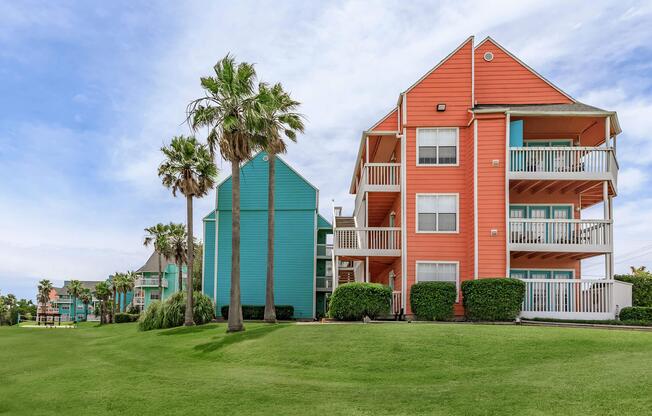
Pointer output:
x,y
457,273
457,147
457,213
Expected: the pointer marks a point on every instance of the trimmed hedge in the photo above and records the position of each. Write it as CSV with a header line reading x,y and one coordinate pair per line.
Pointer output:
x,y
636,313
433,300
493,299
121,318
354,301
257,312
641,289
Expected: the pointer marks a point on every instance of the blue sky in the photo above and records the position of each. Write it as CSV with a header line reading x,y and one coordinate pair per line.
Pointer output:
x,y
89,91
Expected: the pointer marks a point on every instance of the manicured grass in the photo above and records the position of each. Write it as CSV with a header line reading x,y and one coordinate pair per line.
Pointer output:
x,y
325,370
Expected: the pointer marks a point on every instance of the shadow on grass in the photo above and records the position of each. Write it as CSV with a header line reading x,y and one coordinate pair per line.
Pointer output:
x,y
189,329
235,338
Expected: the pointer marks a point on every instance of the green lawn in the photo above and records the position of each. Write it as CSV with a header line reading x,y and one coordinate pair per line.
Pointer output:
x,y
325,370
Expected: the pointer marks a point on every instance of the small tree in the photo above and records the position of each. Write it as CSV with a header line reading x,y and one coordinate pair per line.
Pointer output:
x,y
188,168
157,236
43,294
103,293
86,297
74,289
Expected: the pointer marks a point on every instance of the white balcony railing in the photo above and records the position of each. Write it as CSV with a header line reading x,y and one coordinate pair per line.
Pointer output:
x,y
369,241
560,235
575,298
397,303
324,250
324,282
138,301
587,163
150,282
378,177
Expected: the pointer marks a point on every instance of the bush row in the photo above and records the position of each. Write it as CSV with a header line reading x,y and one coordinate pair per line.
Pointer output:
x,y
257,312
125,317
354,301
433,300
641,288
171,313
636,313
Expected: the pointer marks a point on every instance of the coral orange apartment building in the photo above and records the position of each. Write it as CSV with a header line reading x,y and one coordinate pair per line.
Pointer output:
x,y
482,169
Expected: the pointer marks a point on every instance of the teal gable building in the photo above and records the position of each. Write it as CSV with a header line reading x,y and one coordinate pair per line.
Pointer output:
x,y
301,253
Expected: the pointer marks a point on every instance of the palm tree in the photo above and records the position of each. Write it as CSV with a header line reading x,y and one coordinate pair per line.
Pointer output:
x,y
114,287
230,113
102,292
86,297
189,169
43,294
74,289
178,245
279,119
157,236
128,286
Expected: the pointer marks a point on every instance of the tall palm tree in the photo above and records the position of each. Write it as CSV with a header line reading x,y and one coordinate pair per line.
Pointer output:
x,y
157,236
86,297
74,289
188,168
103,293
230,112
43,294
178,249
279,119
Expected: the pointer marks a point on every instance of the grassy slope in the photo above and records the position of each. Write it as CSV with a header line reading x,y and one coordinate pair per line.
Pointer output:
x,y
329,370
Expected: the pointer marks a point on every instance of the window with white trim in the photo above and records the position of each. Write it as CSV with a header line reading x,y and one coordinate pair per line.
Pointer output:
x,y
437,146
437,213
438,272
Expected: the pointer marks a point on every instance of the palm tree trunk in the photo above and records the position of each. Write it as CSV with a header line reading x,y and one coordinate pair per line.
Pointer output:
x,y
160,281
124,301
74,309
180,276
191,249
270,309
113,306
235,308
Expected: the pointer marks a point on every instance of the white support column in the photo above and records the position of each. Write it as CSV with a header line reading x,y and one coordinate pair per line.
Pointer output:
x,y
611,238
366,269
507,255
607,131
605,202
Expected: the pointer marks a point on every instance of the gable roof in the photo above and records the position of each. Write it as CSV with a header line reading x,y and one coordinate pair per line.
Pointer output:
x,y
151,265
526,66
323,223
278,158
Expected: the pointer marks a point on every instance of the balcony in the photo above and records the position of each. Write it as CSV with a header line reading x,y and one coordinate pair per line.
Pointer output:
x,y
575,298
367,241
150,282
380,177
563,163
324,250
138,301
559,235
324,283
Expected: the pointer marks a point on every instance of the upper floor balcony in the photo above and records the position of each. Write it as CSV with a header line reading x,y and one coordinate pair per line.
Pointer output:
x,y
150,282
367,241
380,177
587,237
569,163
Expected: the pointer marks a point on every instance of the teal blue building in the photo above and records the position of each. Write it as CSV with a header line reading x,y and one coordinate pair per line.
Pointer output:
x,y
302,255
146,284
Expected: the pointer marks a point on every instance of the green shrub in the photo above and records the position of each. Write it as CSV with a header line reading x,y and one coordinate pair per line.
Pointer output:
x,y
152,318
126,317
636,313
171,313
203,310
433,300
493,299
257,312
641,288
354,301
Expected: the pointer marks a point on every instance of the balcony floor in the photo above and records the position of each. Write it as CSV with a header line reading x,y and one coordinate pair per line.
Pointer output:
x,y
590,191
554,255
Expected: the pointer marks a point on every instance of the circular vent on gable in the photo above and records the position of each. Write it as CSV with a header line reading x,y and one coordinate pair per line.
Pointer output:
x,y
488,56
